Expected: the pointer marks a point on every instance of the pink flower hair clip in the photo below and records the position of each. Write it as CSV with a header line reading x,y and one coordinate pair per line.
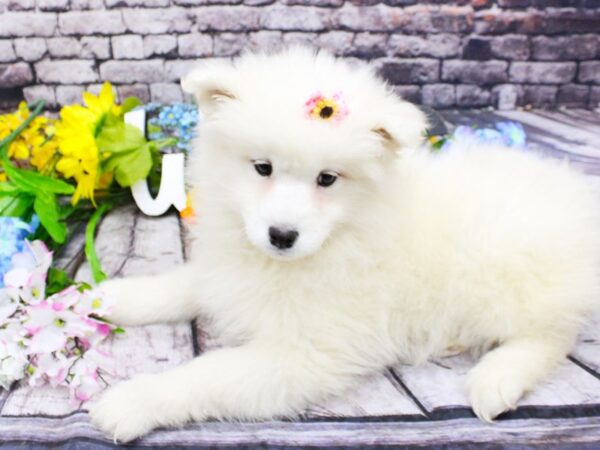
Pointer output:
x,y
326,108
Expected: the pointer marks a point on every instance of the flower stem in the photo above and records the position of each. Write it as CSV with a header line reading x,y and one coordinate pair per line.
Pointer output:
x,y
32,115
90,250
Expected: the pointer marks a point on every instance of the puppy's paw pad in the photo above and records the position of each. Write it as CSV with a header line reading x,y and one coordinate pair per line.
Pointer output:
x,y
123,411
493,392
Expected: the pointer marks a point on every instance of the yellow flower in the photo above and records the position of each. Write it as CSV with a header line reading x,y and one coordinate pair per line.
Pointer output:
x,y
36,138
103,103
77,144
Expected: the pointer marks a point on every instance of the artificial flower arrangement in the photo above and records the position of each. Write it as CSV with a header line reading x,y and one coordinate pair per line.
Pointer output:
x,y
55,173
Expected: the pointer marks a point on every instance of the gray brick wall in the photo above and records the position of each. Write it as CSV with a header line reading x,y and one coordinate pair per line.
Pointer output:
x,y
465,53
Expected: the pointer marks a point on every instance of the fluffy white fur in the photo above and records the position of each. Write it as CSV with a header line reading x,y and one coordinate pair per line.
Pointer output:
x,y
407,254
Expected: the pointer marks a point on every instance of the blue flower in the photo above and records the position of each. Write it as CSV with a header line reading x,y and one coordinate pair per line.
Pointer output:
x,y
13,232
176,120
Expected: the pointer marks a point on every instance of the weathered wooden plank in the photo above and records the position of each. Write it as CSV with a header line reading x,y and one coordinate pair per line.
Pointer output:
x,y
556,134
128,243
70,257
531,433
572,119
440,383
587,350
378,395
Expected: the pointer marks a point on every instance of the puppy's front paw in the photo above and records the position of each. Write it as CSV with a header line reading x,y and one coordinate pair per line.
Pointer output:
x,y
128,300
493,390
124,412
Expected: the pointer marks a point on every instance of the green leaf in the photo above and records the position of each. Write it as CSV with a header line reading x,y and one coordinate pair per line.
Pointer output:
x,y
118,330
129,168
57,281
130,103
33,182
90,250
46,207
7,187
120,138
16,205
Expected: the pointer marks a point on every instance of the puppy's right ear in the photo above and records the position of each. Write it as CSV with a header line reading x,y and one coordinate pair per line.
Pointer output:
x,y
211,84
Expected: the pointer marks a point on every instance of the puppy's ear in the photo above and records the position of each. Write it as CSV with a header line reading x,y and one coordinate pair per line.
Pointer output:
x,y
401,125
211,84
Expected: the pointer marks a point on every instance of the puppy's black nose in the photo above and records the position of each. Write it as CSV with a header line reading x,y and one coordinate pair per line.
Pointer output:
x,y
282,239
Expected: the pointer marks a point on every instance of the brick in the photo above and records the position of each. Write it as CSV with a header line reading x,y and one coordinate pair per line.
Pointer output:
x,y
91,22
195,44
337,42
67,95
28,24
66,71
573,95
53,5
229,44
436,45
513,47
129,3
295,18
476,72
140,91
150,71
297,38
370,18
477,48
506,96
64,47
30,49
483,48
84,5
409,93
7,52
223,18
439,95
539,96
177,68
129,46
15,75
495,21
589,72
563,48
542,72
158,21
572,21
40,92
418,70
439,19
471,96
265,40
165,93
368,45
95,47
158,45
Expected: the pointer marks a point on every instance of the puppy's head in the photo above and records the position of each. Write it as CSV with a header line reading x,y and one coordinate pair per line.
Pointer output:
x,y
297,145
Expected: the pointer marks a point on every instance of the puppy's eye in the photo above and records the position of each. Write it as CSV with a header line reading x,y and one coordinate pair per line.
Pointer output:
x,y
264,168
327,178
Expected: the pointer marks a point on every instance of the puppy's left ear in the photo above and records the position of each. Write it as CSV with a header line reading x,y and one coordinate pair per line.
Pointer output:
x,y
212,84
401,125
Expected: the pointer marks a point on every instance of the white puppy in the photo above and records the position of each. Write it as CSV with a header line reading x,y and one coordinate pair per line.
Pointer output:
x,y
329,245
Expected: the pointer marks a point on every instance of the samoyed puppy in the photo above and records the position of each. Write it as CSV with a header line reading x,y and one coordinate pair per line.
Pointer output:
x,y
329,244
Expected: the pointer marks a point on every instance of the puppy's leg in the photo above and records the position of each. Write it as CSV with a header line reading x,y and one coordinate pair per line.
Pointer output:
x,y
249,382
506,373
156,298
